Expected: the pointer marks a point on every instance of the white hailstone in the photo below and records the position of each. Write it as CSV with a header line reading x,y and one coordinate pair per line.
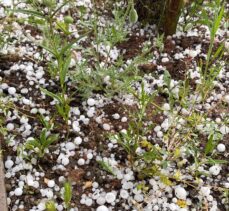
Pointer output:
x,y
91,102
24,91
215,170
159,134
102,208
81,162
226,99
100,200
51,183
221,147
11,90
164,60
70,146
49,194
41,206
106,127
157,128
224,129
138,197
26,101
65,161
155,208
116,116
18,191
172,207
166,107
110,197
9,164
124,119
89,156
205,191
180,193
33,110
88,202
90,112
75,126
78,140
124,194
10,126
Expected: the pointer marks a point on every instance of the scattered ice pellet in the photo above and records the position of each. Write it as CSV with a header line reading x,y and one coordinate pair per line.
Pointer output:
x,y
11,90
81,162
51,183
70,146
65,161
215,170
91,102
100,200
124,194
180,193
18,191
205,191
78,140
102,208
110,197
9,164
10,126
106,126
221,147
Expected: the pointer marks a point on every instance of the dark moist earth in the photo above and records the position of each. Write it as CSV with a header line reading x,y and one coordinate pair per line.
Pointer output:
x,y
96,135
83,177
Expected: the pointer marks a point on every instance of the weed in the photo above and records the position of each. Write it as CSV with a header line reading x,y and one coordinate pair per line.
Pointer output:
x,y
41,144
50,206
67,195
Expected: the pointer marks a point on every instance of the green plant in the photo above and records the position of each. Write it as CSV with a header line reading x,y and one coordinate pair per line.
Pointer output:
x,y
41,144
106,167
50,206
62,107
159,42
134,137
67,195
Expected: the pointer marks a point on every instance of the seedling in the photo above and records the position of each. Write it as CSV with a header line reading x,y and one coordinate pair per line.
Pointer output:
x,y
41,144
50,206
67,195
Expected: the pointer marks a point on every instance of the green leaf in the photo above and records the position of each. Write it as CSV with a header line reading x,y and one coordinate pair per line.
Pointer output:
x,y
167,78
210,145
106,167
50,206
52,95
133,16
67,193
213,161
